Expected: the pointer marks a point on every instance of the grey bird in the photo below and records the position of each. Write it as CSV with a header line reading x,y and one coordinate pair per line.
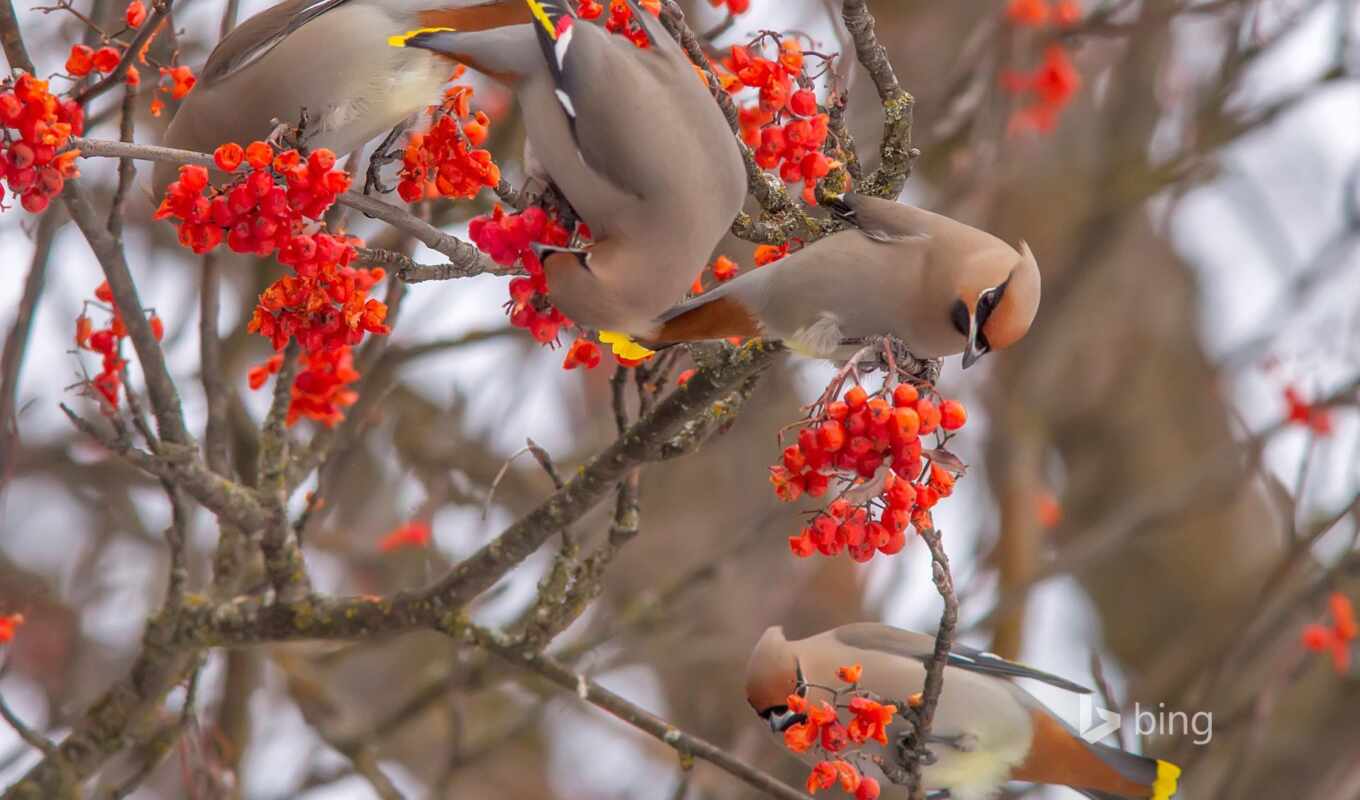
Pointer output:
x,y
330,57
938,285
986,730
635,143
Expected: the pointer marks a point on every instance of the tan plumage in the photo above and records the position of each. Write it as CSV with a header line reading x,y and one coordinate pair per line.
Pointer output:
x,y
635,142
330,57
986,731
940,286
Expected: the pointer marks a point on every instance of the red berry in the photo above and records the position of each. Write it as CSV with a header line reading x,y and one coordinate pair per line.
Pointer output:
x,y
831,436
952,415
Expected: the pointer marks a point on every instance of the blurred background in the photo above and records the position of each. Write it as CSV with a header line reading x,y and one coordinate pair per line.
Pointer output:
x,y
1133,491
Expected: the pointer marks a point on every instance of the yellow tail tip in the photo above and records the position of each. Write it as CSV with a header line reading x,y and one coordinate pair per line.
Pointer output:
x,y
624,345
401,39
541,14
1164,787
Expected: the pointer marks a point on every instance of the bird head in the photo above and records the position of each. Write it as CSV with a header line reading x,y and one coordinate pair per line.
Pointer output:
x,y
994,310
772,674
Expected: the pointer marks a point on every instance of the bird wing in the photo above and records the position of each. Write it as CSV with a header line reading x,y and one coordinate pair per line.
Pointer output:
x,y
598,79
883,638
878,219
258,35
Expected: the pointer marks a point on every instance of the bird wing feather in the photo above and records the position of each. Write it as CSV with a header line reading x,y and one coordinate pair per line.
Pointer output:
x,y
921,647
258,35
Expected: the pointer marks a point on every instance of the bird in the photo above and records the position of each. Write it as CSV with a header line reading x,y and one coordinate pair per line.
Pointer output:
x,y
986,729
330,57
939,286
633,140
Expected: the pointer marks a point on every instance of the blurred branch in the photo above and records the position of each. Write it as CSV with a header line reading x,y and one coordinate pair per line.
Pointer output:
x,y
687,745
16,344
318,707
441,604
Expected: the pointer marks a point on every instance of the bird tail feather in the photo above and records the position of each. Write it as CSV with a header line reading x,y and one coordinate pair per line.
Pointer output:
x,y
1160,777
716,314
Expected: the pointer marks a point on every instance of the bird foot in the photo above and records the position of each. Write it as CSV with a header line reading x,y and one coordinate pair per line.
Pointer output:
x,y
383,155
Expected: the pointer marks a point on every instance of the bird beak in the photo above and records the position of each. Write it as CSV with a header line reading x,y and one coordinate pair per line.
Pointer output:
x,y
782,722
971,353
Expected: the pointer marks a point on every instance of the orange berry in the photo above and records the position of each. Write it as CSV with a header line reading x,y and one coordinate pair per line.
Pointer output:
x,y
905,395
157,327
106,59
259,154
831,436
952,415
228,157
929,414
850,674
81,60
856,398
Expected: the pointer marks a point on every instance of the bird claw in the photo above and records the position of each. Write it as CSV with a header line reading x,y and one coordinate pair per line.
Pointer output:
x,y
382,156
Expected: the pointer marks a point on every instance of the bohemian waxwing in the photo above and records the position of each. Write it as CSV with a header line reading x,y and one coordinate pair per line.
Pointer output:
x,y
940,286
636,144
986,730
330,57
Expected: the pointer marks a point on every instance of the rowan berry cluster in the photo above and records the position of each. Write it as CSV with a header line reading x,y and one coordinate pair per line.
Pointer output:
x,y
784,128
620,19
107,342
871,445
447,160
1049,87
1336,638
507,238
823,731
35,126
734,7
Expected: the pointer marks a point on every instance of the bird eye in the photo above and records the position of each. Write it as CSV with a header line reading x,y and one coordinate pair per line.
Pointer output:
x,y
959,315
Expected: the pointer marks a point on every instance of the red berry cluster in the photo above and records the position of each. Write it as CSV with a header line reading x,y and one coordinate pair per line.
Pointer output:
x,y
107,342
620,18
794,148
447,160
506,238
264,209
320,390
325,305
837,742
854,440
1336,637
734,7
1301,412
84,59
35,125
1036,13
322,386
1046,91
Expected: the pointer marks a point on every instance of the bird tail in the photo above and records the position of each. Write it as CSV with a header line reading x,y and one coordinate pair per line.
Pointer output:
x,y
551,15
716,314
1159,777
1059,755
